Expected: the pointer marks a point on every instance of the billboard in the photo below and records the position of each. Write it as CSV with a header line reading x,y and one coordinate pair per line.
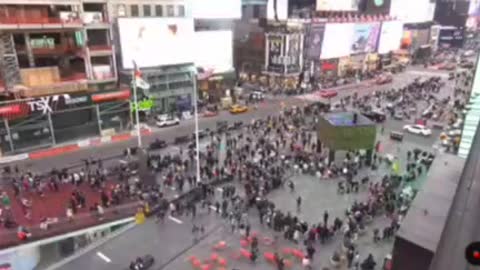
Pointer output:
x,y
451,37
231,9
314,41
293,53
423,11
337,40
278,8
156,41
276,51
337,5
390,36
365,37
215,51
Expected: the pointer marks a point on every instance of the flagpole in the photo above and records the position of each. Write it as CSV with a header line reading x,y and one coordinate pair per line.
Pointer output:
x,y
197,140
137,115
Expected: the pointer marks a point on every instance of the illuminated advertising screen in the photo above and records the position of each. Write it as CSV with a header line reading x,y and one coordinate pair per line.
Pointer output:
x,y
365,37
423,11
293,53
276,52
215,51
390,36
314,41
202,9
337,40
156,41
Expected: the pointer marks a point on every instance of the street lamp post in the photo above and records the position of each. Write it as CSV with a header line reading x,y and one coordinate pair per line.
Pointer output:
x,y
137,115
197,140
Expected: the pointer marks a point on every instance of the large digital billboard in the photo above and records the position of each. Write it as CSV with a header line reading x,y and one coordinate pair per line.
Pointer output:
x,y
156,41
214,51
276,44
337,40
216,9
423,11
365,37
314,41
390,36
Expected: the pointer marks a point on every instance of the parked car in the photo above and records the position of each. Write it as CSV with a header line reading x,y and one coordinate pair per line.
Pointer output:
x,y
167,121
384,78
236,109
328,93
418,129
157,144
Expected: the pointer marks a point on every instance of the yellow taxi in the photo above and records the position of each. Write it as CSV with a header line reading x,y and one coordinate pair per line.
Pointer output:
x,y
236,109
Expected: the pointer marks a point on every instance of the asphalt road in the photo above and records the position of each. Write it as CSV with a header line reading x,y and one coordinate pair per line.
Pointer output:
x,y
270,106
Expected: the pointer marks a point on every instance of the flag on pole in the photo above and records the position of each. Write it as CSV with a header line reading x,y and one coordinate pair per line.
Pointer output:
x,y
137,78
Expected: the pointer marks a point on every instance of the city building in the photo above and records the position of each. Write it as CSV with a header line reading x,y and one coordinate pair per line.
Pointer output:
x,y
58,74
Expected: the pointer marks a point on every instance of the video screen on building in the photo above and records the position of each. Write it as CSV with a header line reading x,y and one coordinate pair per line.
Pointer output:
x,y
365,37
390,36
337,41
215,51
156,41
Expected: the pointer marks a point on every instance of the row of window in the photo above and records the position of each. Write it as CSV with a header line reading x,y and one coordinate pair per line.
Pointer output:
x,y
157,11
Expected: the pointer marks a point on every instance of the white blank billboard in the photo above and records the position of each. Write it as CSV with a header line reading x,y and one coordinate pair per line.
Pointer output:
x,y
337,5
337,40
214,50
216,9
156,41
390,36
282,9
423,10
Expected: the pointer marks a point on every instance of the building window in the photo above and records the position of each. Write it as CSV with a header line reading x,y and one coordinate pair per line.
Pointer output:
x,y
147,12
256,11
170,11
159,10
121,10
181,11
134,10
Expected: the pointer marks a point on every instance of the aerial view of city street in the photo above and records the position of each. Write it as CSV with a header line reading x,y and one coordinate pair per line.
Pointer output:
x,y
239,134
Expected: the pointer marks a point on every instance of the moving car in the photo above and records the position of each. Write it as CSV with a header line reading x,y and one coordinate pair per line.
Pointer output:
x,y
418,129
257,95
182,139
210,113
201,133
375,116
384,79
166,121
396,136
236,109
157,144
328,93
398,116
142,263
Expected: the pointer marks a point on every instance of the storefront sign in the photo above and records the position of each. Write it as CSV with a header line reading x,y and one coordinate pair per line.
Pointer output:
x,y
112,96
10,110
327,66
276,52
55,103
314,41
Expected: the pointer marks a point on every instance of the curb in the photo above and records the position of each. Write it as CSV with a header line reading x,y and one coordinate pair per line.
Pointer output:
x,y
58,151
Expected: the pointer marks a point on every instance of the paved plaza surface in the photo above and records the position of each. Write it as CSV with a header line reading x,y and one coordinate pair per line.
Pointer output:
x,y
171,243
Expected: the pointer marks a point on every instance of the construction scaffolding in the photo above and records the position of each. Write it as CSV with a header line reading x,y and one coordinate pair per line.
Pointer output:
x,y
9,68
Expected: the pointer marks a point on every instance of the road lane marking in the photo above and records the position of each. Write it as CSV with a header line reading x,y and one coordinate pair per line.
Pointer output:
x,y
176,220
220,189
123,161
103,257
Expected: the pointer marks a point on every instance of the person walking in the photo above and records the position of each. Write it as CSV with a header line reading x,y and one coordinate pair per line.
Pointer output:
x,y
299,204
